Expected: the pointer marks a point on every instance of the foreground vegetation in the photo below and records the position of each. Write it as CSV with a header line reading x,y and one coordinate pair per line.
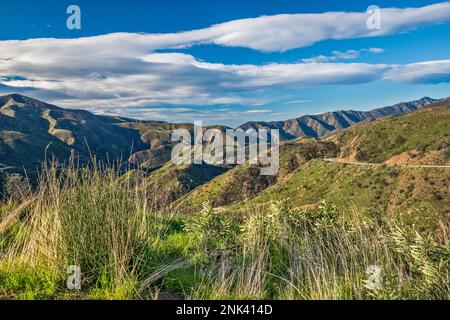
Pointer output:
x,y
105,222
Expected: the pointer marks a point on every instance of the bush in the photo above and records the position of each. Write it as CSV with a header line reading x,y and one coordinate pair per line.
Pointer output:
x,y
422,148
399,140
213,230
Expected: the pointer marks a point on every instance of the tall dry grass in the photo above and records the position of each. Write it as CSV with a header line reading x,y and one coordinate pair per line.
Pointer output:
x,y
88,216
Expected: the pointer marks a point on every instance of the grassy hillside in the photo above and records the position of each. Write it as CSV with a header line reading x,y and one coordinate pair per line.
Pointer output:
x,y
245,181
420,194
171,182
196,231
305,181
418,137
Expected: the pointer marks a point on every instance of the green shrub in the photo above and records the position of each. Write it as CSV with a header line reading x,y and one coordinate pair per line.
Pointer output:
x,y
212,230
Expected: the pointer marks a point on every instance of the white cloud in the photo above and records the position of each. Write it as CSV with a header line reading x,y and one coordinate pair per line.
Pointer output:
x,y
428,72
288,31
374,50
298,101
342,55
259,111
180,79
168,78
266,33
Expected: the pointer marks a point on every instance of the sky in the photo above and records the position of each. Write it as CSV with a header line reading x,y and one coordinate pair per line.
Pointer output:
x,y
225,62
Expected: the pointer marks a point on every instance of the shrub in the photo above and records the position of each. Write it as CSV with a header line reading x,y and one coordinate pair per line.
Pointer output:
x,y
422,147
399,140
213,230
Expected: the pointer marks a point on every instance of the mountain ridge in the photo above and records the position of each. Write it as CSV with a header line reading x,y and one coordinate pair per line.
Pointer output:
x,y
317,126
31,129
395,162
32,132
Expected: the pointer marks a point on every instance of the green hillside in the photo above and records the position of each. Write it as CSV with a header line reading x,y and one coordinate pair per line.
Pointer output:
x,y
420,193
171,181
245,181
422,137
306,178
208,232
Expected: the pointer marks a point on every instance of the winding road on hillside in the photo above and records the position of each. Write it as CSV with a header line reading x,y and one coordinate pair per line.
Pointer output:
x,y
383,164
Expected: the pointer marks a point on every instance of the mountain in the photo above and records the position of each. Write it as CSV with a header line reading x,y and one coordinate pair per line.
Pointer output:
x,y
421,137
321,124
394,163
32,131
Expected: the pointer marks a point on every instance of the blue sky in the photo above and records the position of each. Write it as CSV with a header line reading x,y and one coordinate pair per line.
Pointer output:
x,y
166,60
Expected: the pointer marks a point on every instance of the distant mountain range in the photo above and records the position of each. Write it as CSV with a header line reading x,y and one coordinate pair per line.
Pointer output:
x,y
321,124
32,130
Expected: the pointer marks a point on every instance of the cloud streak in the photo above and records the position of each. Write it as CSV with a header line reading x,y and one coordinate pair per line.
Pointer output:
x,y
289,31
343,55
177,78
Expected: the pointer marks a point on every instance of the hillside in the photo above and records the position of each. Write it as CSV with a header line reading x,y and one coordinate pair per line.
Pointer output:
x,y
28,126
244,181
305,178
170,182
421,194
319,221
321,124
32,131
421,137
